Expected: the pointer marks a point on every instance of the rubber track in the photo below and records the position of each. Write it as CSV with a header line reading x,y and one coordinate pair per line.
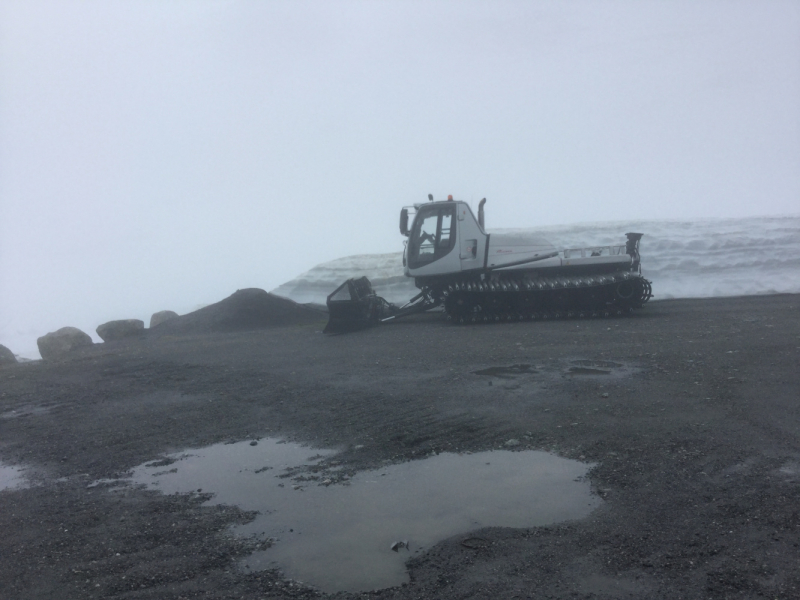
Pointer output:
x,y
613,294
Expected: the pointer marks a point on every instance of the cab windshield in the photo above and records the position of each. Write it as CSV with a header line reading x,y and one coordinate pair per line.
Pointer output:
x,y
433,235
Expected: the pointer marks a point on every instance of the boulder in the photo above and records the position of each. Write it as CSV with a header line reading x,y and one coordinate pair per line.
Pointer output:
x,y
116,330
57,344
7,356
161,316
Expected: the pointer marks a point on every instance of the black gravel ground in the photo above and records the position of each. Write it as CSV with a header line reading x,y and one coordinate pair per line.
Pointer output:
x,y
695,434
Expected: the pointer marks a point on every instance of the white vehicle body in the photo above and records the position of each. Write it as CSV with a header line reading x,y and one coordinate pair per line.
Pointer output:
x,y
446,238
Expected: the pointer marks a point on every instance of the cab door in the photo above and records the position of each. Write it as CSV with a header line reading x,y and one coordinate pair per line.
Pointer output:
x,y
432,243
472,240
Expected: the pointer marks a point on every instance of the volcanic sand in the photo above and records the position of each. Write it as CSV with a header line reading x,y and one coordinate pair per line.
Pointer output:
x,y
689,409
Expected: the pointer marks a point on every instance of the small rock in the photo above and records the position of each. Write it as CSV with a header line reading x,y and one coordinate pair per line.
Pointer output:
x,y
57,344
512,442
7,356
115,330
254,443
604,395
161,316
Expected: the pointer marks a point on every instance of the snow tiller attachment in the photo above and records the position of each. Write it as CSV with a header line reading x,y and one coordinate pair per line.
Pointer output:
x,y
354,305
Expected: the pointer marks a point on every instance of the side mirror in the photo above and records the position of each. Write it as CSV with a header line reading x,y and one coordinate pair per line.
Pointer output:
x,y
404,221
430,197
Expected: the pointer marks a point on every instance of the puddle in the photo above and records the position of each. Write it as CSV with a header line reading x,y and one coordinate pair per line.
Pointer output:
x,y
595,367
26,411
340,537
11,478
598,364
587,371
507,372
791,469
574,368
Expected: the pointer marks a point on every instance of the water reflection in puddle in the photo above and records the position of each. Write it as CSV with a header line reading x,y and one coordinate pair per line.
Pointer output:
x,y
26,411
340,537
507,372
11,478
595,367
598,364
587,371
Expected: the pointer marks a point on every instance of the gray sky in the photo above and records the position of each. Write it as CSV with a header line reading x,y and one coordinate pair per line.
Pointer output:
x,y
163,154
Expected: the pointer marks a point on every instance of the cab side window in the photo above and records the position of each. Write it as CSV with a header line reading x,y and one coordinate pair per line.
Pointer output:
x,y
427,235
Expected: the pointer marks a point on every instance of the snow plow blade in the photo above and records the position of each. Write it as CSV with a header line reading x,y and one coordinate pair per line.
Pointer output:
x,y
353,306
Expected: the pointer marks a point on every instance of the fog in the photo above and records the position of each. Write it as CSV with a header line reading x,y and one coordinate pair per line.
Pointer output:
x,y
160,155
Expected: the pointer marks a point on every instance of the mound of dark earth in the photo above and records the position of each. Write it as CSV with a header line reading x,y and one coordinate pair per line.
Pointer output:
x,y
245,309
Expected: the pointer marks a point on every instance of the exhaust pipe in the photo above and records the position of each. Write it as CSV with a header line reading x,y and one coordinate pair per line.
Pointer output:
x,y
480,212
